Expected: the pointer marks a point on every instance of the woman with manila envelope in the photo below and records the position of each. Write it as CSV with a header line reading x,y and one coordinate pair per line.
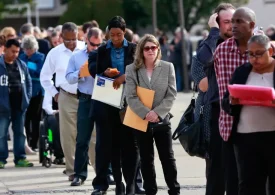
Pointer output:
x,y
250,100
150,93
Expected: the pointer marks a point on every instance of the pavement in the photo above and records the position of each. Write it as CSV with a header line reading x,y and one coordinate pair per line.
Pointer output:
x,y
44,181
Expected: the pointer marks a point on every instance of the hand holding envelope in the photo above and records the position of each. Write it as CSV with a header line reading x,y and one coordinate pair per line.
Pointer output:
x,y
84,70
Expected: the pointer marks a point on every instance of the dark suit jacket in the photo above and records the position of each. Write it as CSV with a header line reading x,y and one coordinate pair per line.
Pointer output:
x,y
44,46
240,76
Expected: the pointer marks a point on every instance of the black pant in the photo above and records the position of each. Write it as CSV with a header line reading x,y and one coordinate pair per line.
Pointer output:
x,y
33,117
215,184
163,141
52,122
256,162
221,171
116,144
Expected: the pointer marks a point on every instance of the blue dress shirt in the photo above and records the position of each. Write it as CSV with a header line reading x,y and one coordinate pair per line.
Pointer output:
x,y
117,56
85,84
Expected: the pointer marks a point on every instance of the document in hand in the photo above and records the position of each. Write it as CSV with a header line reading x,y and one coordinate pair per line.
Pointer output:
x,y
84,72
105,92
253,95
131,119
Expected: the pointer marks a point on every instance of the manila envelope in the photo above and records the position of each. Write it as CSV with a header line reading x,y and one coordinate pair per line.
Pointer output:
x,y
84,72
131,119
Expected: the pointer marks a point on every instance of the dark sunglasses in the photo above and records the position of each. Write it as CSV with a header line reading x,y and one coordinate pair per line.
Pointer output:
x,y
147,48
94,45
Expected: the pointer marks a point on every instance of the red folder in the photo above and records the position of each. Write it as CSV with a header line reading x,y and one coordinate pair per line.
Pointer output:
x,y
253,95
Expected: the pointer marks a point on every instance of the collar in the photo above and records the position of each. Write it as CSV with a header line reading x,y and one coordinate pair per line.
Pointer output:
x,y
232,45
79,46
110,44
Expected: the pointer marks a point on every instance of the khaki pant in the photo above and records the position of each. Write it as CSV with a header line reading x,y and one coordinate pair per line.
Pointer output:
x,y
68,106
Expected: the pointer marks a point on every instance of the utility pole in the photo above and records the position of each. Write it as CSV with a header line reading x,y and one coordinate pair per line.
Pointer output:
x,y
37,19
183,47
154,15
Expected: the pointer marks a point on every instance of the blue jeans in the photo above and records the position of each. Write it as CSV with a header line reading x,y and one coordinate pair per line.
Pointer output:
x,y
85,125
17,118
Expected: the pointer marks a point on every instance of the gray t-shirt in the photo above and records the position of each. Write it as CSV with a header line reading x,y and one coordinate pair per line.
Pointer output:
x,y
257,118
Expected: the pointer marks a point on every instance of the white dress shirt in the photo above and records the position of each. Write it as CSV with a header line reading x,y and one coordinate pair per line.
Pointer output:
x,y
56,62
48,104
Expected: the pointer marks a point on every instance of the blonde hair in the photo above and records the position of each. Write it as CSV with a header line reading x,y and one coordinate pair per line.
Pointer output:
x,y
7,31
139,57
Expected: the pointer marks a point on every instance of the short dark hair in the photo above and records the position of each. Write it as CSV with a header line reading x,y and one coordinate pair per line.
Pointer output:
x,y
69,26
117,22
26,28
224,6
12,42
87,25
128,35
96,32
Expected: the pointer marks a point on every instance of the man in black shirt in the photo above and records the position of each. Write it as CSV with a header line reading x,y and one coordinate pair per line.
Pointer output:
x,y
15,88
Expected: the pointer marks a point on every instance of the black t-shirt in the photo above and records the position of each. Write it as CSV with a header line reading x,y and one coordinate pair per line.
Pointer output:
x,y
15,86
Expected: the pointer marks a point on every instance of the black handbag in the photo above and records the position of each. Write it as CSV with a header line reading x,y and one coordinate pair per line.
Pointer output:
x,y
190,131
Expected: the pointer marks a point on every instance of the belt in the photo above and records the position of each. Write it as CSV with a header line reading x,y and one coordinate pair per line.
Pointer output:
x,y
68,93
83,95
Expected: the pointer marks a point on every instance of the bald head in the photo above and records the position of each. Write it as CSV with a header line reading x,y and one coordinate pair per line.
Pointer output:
x,y
243,23
247,13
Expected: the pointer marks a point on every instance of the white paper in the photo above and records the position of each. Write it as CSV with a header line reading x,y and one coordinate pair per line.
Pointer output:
x,y
105,92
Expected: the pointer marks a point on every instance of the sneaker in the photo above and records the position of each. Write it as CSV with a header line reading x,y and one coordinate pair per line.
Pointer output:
x,y
2,165
23,163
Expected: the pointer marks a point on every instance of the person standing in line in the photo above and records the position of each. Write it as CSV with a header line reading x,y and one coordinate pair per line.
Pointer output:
x,y
254,126
16,87
63,92
115,142
85,123
149,72
34,61
228,56
203,73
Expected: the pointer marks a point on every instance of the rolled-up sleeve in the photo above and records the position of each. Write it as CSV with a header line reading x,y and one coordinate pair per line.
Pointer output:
x,y
131,95
165,106
72,74
46,74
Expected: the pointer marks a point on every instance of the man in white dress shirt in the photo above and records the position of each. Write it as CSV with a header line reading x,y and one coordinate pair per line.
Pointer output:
x,y
56,63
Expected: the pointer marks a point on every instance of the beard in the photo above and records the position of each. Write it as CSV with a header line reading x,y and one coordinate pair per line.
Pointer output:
x,y
228,34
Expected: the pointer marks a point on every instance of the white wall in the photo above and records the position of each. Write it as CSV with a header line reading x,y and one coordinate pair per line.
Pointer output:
x,y
265,12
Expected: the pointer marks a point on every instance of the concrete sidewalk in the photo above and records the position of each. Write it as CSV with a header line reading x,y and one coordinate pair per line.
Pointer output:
x,y
40,180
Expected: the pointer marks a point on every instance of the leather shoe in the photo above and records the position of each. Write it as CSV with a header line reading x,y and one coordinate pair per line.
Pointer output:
x,y
77,181
139,190
71,177
98,192
111,180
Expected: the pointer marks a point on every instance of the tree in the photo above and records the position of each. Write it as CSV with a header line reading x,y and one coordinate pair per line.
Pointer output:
x,y
100,10
138,13
5,9
194,11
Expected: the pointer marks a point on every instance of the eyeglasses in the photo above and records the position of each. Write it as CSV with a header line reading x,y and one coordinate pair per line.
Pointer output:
x,y
257,55
147,48
94,45
69,40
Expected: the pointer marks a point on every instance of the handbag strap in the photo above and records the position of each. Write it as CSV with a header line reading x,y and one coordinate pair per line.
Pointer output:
x,y
137,77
